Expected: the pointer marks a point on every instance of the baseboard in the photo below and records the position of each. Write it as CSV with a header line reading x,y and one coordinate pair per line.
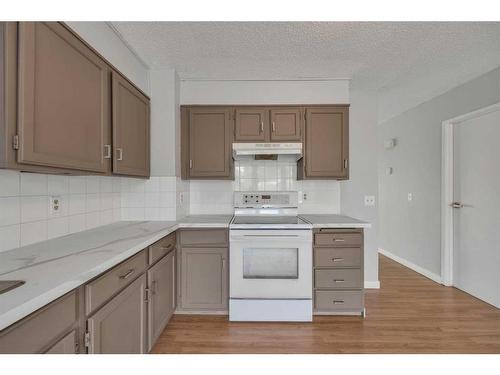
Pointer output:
x,y
201,312
430,275
372,284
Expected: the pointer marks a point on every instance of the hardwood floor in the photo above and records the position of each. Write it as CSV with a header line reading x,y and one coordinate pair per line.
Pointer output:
x,y
409,314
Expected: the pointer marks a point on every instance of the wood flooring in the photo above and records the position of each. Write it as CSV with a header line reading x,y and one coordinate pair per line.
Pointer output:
x,y
408,314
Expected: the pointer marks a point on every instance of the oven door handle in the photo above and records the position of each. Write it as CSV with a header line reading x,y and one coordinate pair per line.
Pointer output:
x,y
271,235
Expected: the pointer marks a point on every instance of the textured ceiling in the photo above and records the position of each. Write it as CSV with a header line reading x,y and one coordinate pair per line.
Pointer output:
x,y
384,56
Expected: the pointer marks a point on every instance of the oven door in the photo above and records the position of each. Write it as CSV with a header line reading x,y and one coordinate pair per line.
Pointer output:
x,y
270,264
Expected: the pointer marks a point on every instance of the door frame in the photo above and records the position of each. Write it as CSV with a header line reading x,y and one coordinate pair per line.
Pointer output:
x,y
447,162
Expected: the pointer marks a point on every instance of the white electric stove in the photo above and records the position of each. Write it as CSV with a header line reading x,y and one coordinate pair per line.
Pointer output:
x,y
270,259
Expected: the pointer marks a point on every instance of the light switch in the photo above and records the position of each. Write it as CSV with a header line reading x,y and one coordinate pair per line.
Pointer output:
x,y
369,200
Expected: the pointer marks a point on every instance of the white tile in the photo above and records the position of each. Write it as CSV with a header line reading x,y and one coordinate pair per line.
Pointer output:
x,y
167,214
271,185
106,184
9,183
117,200
33,184
260,185
77,185
152,213
106,201
106,217
93,184
57,227
252,171
117,184
117,214
135,213
152,185
248,184
58,185
136,185
77,204
34,208
167,184
285,171
152,199
93,202
133,200
10,237
124,182
167,199
271,171
76,223
33,232
92,219
10,208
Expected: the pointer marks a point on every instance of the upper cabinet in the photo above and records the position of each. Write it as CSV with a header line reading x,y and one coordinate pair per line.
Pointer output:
x,y
206,142
130,129
251,125
326,149
60,104
286,124
63,100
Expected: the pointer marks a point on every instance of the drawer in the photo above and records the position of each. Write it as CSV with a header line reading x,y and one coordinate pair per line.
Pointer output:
x,y
338,300
161,248
40,329
204,237
337,257
338,278
338,239
97,292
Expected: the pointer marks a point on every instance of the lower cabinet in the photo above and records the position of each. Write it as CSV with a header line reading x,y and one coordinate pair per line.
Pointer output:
x,y
64,346
204,278
120,325
161,284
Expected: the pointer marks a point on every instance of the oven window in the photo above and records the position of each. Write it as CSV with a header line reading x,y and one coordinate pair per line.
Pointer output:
x,y
271,263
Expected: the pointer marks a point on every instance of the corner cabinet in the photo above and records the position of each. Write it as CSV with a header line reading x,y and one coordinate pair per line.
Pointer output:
x,y
206,143
326,148
130,129
61,103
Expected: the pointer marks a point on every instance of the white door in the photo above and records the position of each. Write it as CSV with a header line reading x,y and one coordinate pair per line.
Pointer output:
x,y
476,171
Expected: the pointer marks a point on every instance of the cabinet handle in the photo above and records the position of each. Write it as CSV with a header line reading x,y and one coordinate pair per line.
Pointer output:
x,y
345,163
338,280
119,151
127,274
190,164
223,263
337,302
274,127
337,259
338,240
261,127
167,247
107,151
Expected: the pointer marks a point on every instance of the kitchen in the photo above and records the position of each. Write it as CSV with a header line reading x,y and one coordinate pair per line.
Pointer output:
x,y
139,197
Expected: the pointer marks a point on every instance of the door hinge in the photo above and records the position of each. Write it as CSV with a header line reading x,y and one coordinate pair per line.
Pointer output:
x,y
87,339
15,142
147,291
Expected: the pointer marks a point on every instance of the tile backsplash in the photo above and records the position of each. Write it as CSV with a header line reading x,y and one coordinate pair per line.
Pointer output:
x,y
85,202
216,197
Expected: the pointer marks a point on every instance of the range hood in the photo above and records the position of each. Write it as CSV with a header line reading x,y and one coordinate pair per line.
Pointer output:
x,y
244,150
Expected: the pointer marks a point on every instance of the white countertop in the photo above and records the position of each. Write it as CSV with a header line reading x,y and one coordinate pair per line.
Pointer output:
x,y
334,221
54,267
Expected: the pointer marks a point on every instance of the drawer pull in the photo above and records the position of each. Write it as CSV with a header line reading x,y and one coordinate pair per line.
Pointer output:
x,y
337,302
337,259
338,240
167,247
338,280
127,274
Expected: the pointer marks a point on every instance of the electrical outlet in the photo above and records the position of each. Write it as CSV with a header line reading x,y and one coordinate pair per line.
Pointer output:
x,y
55,205
369,200
410,197
304,196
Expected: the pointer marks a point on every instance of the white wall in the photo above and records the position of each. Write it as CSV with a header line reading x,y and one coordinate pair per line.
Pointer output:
x,y
363,179
264,92
105,41
411,230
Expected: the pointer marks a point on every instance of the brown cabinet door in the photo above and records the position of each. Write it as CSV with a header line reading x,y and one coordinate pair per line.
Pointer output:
x,y
67,345
209,142
286,124
119,327
161,283
130,129
251,125
327,142
204,279
63,100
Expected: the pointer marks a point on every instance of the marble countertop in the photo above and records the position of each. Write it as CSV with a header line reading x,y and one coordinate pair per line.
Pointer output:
x,y
54,267
334,221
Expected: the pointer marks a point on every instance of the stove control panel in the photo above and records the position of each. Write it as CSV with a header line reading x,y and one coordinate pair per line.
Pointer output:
x,y
257,199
